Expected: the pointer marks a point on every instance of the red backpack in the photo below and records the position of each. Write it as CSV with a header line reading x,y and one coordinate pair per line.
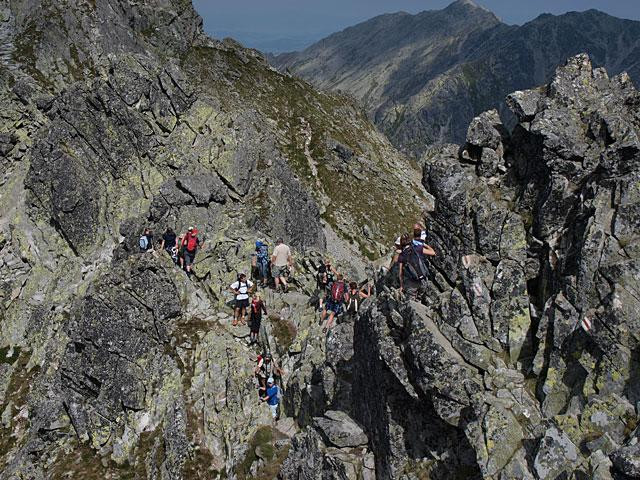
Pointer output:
x,y
337,291
190,242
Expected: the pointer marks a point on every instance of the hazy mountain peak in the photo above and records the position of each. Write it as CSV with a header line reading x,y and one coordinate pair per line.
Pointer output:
x,y
467,5
423,77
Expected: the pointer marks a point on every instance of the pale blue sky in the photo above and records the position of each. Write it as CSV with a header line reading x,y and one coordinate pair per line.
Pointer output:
x,y
293,22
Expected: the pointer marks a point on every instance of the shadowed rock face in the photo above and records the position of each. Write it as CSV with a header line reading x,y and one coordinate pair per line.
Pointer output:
x,y
422,78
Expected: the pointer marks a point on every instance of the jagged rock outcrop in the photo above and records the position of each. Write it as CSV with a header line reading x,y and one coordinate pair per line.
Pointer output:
x,y
422,78
519,360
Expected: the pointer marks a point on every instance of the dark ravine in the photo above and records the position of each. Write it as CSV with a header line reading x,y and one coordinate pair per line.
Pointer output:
x,y
114,365
423,78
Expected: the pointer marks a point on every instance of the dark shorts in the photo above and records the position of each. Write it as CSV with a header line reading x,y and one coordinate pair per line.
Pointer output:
x,y
263,269
335,307
254,325
412,287
189,257
242,303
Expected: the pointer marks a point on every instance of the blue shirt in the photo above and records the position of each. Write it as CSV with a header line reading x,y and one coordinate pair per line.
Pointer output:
x,y
272,392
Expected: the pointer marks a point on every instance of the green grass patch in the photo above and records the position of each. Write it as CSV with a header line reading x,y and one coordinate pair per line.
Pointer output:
x,y
284,331
264,443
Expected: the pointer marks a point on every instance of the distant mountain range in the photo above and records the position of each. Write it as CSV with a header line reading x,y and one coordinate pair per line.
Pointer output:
x,y
423,77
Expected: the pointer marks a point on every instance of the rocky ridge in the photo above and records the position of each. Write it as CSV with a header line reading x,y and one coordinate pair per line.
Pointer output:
x,y
519,361
422,78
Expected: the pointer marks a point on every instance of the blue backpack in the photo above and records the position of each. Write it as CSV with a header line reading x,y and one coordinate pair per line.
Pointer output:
x,y
263,253
143,242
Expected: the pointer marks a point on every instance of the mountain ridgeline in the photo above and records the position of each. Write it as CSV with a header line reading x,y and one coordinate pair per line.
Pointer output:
x,y
422,78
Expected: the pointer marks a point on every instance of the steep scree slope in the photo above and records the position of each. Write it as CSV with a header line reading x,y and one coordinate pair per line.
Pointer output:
x,y
422,78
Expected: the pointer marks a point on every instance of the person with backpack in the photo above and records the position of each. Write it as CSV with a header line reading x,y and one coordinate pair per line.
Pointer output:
x,y
355,295
334,303
413,268
281,260
189,247
325,278
262,263
170,244
266,367
145,242
272,397
255,317
240,288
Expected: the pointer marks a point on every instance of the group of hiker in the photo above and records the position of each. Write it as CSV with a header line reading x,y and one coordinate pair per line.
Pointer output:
x,y
336,296
181,248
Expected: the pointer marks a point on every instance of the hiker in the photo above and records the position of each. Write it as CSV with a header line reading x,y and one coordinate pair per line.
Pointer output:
x,y
240,288
169,243
272,397
355,295
262,263
266,367
413,268
146,241
334,303
280,261
325,278
255,317
189,246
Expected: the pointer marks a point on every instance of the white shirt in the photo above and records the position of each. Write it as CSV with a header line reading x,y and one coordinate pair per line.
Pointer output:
x,y
243,289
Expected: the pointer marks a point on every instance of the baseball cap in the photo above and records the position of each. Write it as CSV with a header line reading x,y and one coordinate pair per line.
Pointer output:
x,y
270,380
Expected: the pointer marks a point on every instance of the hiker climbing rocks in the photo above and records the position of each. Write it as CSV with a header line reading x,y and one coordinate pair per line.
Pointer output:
x,y
272,397
261,259
240,289
325,278
189,246
258,307
334,303
355,295
146,241
169,243
266,367
413,267
280,261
